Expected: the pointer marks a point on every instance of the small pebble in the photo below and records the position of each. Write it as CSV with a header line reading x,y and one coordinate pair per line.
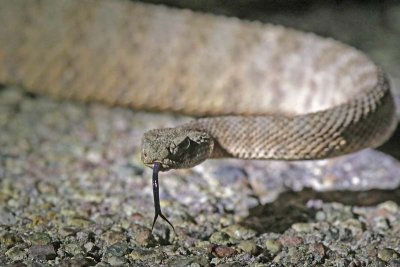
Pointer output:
x,y
10,239
117,249
394,263
39,239
291,241
390,206
74,249
16,253
273,246
320,216
145,254
79,222
44,252
355,226
317,249
88,246
381,223
221,238
249,247
239,232
302,227
116,261
78,262
142,236
222,251
190,261
387,254
294,255
111,237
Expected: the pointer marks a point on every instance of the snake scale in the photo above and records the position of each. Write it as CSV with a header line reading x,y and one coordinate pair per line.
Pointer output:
x,y
263,91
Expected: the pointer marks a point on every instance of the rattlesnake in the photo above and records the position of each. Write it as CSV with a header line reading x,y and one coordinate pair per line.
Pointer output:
x,y
264,91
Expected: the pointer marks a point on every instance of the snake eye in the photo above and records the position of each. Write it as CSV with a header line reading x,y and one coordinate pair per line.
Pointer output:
x,y
185,144
178,148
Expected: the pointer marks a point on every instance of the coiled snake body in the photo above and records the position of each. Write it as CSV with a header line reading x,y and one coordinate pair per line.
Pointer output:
x,y
273,92
289,95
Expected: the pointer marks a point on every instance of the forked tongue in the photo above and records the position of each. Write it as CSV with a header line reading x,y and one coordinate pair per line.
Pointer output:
x,y
156,195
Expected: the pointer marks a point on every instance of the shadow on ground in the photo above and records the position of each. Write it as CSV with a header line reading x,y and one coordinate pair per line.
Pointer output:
x,y
392,146
293,207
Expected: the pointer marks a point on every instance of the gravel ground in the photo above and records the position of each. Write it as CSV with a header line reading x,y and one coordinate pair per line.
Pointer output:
x,y
73,191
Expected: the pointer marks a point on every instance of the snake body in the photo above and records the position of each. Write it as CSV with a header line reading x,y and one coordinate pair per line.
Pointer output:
x,y
263,91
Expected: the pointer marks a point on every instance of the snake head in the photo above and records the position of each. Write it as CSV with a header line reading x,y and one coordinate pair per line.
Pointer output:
x,y
176,148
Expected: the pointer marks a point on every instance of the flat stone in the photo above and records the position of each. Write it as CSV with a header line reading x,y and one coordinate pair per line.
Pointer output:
x,y
45,252
116,261
192,261
239,232
302,227
78,262
291,241
145,254
39,238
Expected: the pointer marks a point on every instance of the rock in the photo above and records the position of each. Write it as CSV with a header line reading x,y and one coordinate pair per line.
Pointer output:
x,y
249,247
239,232
381,222
116,261
355,226
78,262
317,249
145,254
291,241
83,237
387,254
320,216
88,246
79,222
221,238
294,255
74,249
273,246
117,249
67,231
302,227
394,263
222,251
390,206
16,253
39,238
192,261
44,252
355,263
10,239
103,264
7,218
142,236
111,237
